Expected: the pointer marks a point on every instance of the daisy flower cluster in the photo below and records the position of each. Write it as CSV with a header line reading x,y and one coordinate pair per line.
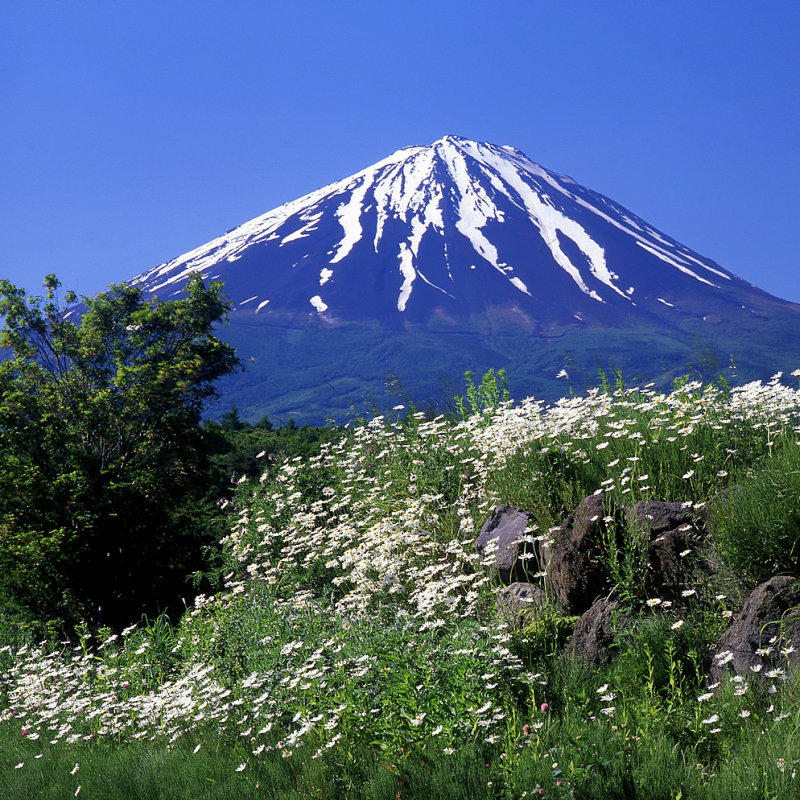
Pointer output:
x,y
389,512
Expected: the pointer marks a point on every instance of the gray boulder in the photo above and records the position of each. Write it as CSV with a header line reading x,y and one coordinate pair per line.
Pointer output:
x,y
504,542
769,620
518,603
596,631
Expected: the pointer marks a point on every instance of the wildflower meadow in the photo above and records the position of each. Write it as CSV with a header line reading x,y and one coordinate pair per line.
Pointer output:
x,y
355,648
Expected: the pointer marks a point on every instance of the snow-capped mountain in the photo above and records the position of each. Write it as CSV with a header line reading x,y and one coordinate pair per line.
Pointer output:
x,y
456,224
474,240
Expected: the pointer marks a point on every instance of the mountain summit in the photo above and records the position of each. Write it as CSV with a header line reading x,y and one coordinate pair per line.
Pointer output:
x,y
457,225
492,260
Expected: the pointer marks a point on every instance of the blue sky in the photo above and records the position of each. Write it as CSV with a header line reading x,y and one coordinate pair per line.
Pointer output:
x,y
133,131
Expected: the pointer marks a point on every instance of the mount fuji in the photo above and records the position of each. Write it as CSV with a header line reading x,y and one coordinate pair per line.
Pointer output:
x,y
466,255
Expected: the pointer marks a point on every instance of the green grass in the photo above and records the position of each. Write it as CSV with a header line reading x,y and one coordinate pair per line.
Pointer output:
x,y
356,650
757,521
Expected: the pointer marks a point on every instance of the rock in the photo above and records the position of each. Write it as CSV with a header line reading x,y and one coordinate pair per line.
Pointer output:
x,y
518,603
657,516
573,558
771,610
503,535
670,528
596,631
669,571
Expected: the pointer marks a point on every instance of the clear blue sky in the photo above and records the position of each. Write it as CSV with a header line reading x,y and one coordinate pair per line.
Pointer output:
x,y
134,130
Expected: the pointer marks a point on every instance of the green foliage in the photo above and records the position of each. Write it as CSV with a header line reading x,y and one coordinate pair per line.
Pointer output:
x,y
545,481
101,457
603,762
757,523
543,636
240,449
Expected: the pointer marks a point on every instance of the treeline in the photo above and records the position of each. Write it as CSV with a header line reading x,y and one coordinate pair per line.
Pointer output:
x,y
239,449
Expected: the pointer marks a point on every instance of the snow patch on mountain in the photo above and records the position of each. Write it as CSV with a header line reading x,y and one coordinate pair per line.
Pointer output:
x,y
658,253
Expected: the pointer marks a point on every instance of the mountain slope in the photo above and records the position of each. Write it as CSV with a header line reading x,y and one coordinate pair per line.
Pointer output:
x,y
465,255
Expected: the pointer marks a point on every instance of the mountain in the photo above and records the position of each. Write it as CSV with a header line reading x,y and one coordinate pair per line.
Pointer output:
x,y
466,255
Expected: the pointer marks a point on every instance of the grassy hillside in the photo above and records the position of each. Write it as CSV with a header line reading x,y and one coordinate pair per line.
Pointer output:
x,y
356,649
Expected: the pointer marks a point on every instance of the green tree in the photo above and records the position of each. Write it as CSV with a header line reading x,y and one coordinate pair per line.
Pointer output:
x,y
101,450
240,449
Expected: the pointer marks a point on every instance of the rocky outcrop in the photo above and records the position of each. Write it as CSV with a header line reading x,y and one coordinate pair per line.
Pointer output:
x,y
669,570
657,516
671,529
768,624
573,557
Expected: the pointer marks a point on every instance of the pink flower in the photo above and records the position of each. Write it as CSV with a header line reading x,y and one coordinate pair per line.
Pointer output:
x,y
544,706
526,729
